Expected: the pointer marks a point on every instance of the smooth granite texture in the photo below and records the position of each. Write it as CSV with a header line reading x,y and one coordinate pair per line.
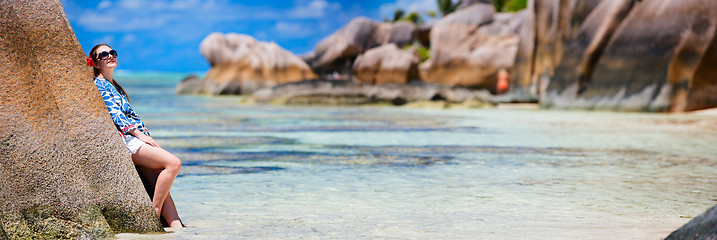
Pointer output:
x,y
64,170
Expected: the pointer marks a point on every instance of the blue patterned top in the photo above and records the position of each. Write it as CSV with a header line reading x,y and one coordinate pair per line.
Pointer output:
x,y
124,117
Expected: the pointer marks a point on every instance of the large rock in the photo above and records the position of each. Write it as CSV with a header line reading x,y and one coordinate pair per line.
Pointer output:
x,y
64,171
522,78
468,3
583,52
337,52
556,23
703,227
469,46
386,64
657,59
241,64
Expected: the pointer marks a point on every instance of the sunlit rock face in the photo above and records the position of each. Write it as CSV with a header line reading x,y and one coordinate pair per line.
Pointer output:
x,y
522,70
64,171
640,56
584,50
556,23
241,65
337,52
469,47
386,64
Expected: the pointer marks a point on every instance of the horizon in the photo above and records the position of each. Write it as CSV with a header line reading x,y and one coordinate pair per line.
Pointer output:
x,y
164,36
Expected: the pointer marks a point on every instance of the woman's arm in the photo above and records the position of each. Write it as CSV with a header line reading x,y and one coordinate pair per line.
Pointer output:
x,y
123,123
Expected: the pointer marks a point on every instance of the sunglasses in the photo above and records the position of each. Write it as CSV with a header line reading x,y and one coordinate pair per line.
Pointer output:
x,y
104,54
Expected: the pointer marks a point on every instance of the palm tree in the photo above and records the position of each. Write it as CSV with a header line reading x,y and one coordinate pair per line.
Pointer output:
x,y
499,5
398,14
414,17
447,6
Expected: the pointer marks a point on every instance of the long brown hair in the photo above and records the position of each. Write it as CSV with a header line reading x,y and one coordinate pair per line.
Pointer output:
x,y
93,55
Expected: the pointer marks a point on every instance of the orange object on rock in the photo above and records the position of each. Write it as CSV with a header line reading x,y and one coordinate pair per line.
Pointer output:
x,y
503,84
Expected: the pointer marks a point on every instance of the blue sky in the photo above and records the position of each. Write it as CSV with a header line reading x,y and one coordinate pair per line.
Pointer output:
x,y
164,35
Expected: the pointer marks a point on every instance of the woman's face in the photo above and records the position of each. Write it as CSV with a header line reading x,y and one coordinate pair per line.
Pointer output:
x,y
109,62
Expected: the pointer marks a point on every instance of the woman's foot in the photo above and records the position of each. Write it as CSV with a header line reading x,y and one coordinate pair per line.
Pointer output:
x,y
176,224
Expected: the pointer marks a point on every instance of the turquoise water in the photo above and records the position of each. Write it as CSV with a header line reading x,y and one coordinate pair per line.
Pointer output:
x,y
276,172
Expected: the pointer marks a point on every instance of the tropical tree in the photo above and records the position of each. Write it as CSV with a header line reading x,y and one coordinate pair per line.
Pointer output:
x,y
447,6
516,5
413,17
499,4
398,14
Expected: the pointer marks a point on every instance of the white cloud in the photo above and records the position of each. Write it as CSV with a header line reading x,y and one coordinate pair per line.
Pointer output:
x,y
104,5
314,9
293,29
106,39
185,4
131,15
110,23
420,6
129,38
132,4
287,27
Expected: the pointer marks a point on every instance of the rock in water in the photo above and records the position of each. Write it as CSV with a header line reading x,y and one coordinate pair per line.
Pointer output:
x,y
386,64
188,85
64,171
702,227
241,65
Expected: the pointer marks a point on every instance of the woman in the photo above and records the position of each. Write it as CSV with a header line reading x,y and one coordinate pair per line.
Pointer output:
x,y
158,166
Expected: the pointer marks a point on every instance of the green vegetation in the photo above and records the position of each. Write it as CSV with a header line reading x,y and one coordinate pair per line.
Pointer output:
x,y
447,6
400,15
414,17
504,5
424,53
509,5
499,4
516,5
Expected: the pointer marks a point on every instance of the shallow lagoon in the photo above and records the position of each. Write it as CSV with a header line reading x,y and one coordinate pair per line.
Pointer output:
x,y
268,172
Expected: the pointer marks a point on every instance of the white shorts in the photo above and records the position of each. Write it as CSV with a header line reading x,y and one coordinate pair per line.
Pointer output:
x,y
133,143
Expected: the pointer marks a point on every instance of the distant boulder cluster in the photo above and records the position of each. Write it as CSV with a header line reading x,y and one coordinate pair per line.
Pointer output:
x,y
626,55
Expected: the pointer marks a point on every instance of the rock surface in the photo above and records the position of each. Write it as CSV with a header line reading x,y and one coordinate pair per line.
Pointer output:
x,y
556,23
241,64
469,46
327,92
583,52
656,59
703,227
64,171
188,85
386,64
522,77
337,52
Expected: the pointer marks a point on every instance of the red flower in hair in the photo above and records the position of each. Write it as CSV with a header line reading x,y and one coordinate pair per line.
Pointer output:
x,y
90,62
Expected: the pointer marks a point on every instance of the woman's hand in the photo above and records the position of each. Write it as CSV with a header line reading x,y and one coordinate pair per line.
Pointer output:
x,y
148,140
144,138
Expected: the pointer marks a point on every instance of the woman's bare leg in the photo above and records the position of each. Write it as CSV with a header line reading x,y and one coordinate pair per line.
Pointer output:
x,y
169,210
157,158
